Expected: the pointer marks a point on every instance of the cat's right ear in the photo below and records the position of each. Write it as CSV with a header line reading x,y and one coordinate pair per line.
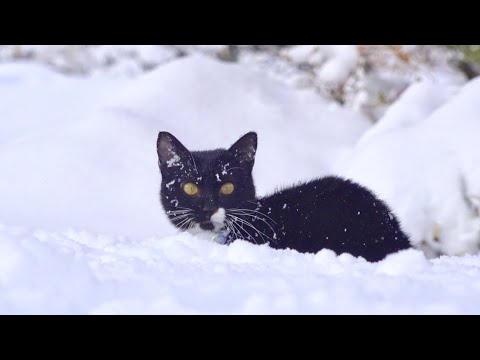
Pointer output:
x,y
244,150
171,152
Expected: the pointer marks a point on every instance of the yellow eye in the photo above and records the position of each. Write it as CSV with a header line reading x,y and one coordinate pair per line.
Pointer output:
x,y
190,189
227,189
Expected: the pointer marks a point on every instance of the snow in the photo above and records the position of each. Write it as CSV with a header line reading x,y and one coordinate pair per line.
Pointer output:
x,y
174,162
336,61
81,273
341,62
83,231
422,158
100,173
367,78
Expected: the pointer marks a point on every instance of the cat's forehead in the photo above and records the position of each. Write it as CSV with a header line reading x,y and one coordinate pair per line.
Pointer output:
x,y
205,166
206,161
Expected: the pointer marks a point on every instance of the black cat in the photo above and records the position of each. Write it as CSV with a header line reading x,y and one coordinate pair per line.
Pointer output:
x,y
212,194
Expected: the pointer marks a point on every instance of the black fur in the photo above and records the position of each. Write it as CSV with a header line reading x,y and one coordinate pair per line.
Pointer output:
x,y
327,213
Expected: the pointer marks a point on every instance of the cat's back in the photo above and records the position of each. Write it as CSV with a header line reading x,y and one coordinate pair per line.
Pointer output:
x,y
337,214
330,191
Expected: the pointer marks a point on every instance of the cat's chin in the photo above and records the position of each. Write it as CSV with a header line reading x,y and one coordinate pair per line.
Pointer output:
x,y
219,237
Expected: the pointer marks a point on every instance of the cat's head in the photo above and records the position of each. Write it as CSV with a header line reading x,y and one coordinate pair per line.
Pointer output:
x,y
199,187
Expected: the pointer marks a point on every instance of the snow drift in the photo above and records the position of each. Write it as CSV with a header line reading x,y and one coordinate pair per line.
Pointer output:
x,y
101,174
423,159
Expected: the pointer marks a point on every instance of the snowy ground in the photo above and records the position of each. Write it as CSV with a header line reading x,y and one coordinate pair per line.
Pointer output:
x,y
77,272
84,233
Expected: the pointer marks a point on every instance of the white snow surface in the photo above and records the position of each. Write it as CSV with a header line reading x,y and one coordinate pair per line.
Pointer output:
x,y
80,273
83,231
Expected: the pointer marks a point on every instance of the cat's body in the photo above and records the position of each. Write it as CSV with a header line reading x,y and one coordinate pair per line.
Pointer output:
x,y
212,194
328,213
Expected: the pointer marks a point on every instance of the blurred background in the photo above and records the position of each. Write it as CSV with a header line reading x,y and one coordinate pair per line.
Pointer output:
x,y
367,78
78,125
364,77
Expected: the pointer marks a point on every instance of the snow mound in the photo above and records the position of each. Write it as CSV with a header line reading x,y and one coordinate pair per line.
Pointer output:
x,y
101,173
84,273
422,158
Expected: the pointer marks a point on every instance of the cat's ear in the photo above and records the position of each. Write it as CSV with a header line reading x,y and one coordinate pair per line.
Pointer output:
x,y
171,152
244,150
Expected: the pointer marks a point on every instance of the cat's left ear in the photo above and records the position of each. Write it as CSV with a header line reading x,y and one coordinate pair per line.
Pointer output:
x,y
244,150
171,152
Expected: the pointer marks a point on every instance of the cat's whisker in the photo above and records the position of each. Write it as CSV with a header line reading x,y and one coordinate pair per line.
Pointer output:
x,y
194,164
232,229
171,213
254,211
180,217
190,224
234,168
185,222
176,213
180,225
228,227
256,217
235,230
248,223
253,215
239,229
180,210
183,208
245,222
